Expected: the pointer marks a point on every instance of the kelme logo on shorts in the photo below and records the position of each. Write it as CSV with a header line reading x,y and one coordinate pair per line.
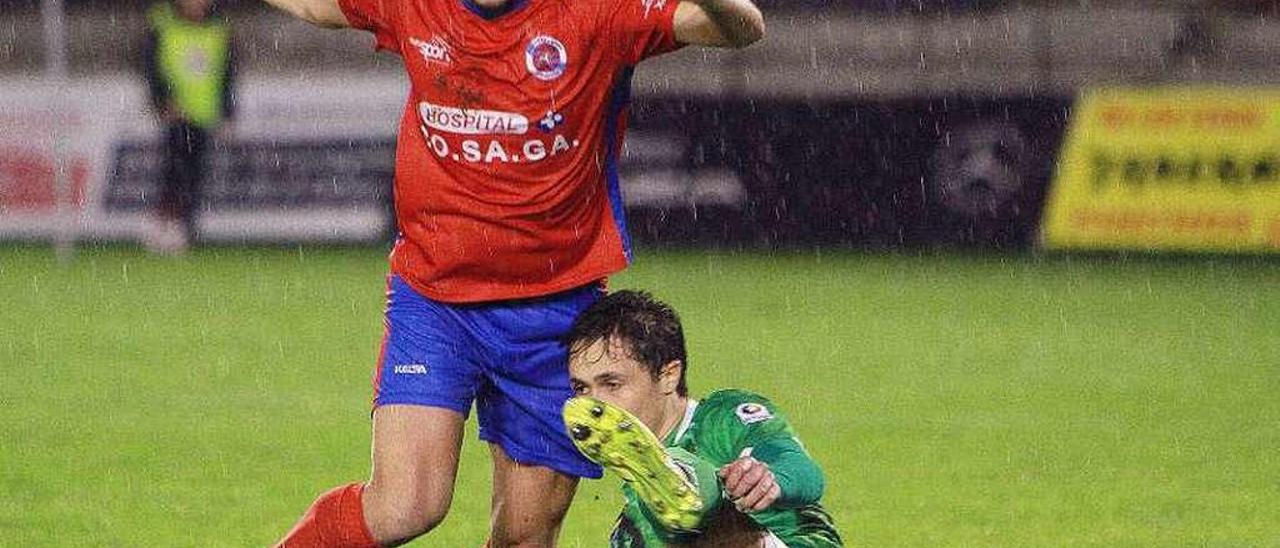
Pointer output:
x,y
410,369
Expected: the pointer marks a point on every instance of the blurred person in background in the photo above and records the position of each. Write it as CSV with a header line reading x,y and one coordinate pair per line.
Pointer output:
x,y
1206,26
510,218
190,67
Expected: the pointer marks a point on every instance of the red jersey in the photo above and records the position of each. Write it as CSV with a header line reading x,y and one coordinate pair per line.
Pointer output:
x,y
506,182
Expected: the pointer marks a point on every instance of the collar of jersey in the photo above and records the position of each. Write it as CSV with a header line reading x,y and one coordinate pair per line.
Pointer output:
x,y
685,422
488,14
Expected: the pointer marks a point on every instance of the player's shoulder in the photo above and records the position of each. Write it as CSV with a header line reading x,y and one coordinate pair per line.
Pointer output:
x,y
603,9
733,396
597,9
596,4
742,406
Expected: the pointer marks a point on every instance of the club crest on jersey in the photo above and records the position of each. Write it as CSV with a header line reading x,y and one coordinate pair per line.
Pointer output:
x,y
545,57
435,50
751,413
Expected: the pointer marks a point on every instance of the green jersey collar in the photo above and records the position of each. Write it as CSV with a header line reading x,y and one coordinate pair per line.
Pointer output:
x,y
677,435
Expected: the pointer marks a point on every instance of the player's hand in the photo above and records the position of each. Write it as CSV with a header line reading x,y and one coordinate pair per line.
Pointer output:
x,y
750,484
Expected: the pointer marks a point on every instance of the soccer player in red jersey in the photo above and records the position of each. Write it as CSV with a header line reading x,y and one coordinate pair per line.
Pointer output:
x,y
510,218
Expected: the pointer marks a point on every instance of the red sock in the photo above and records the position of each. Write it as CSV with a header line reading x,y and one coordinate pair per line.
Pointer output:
x,y
335,520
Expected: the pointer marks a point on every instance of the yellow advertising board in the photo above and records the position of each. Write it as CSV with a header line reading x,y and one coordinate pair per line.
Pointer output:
x,y
1195,169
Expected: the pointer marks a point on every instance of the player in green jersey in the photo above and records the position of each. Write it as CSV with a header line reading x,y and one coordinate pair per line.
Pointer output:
x,y
724,470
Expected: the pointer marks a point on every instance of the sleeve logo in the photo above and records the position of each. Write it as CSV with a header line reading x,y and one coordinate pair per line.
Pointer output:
x,y
650,5
751,413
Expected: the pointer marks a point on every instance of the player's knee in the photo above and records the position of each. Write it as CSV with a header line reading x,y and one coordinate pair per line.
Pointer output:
x,y
403,517
522,537
403,523
528,531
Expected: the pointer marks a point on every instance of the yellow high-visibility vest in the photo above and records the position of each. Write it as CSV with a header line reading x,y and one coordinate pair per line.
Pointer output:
x,y
192,61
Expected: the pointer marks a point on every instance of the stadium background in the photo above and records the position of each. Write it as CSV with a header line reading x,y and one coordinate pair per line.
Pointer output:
x,y
848,215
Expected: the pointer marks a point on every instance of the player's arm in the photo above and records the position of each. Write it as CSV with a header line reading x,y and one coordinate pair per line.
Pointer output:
x,y
323,13
158,90
776,472
719,23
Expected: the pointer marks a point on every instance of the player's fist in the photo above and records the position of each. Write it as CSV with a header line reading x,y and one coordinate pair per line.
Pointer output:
x,y
750,484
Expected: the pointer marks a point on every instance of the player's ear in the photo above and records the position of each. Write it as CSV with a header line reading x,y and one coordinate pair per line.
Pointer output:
x,y
669,376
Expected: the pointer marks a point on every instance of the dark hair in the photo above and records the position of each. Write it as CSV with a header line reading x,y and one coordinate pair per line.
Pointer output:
x,y
648,329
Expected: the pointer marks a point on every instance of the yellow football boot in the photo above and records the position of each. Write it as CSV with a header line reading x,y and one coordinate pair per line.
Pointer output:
x,y
620,443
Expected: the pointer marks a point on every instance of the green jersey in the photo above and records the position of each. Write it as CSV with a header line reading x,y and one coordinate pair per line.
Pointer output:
x,y
719,429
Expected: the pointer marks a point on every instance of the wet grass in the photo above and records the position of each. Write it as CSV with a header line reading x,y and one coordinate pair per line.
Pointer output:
x,y
954,400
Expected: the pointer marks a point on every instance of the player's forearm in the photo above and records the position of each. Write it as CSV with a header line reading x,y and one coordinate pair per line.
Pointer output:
x,y
323,13
738,21
799,478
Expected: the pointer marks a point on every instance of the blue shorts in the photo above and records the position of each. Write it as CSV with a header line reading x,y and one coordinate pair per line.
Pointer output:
x,y
507,357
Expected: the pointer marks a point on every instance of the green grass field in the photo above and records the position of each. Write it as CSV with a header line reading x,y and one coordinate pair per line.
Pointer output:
x,y
953,400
